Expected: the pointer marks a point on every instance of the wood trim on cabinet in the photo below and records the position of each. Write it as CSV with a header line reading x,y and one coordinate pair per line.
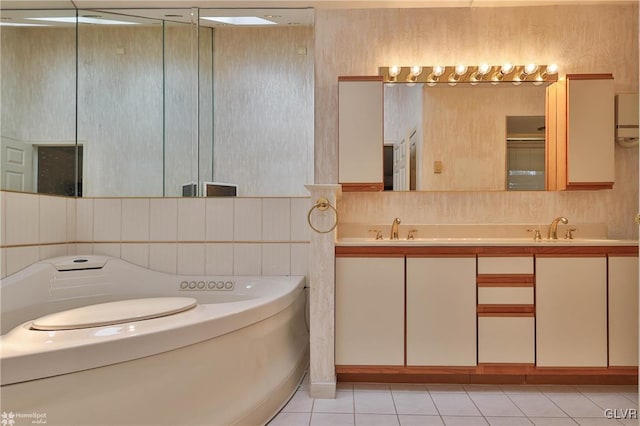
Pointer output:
x,y
365,251
360,78
464,251
496,310
580,253
487,373
505,280
506,314
363,187
601,76
589,186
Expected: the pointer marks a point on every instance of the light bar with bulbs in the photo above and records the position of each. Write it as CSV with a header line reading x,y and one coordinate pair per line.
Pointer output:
x,y
452,75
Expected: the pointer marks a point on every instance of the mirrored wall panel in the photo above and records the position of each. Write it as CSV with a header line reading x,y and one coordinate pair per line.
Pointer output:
x,y
38,98
160,102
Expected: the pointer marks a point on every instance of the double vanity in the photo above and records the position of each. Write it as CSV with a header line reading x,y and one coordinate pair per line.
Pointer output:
x,y
486,304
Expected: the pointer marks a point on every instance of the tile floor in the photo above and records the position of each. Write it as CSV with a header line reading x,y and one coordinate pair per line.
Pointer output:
x,y
475,405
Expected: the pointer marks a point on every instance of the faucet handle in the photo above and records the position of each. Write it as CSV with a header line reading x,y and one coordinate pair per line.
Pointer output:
x,y
536,236
411,235
378,233
569,234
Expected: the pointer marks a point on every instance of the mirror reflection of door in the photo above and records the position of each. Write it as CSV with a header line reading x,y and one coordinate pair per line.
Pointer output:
x,y
525,153
17,165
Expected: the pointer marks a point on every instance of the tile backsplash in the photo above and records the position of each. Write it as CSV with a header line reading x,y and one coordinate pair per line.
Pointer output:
x,y
213,236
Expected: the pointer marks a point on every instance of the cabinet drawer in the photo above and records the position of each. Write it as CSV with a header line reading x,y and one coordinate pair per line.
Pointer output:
x,y
506,340
505,265
505,295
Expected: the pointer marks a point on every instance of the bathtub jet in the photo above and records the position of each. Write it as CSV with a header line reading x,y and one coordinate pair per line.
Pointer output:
x,y
94,340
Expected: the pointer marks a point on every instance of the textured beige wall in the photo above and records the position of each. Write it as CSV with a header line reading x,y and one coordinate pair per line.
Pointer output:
x,y
580,39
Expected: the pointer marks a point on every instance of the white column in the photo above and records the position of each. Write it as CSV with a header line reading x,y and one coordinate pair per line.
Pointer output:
x,y
322,371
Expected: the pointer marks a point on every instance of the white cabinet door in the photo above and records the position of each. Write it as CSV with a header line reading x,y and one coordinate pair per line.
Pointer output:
x,y
360,133
571,311
623,311
369,311
441,311
503,339
590,130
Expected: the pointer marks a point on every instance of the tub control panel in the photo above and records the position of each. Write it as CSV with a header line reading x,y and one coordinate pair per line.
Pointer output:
x,y
202,285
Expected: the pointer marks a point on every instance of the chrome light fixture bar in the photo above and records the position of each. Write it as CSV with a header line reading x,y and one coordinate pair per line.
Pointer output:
x,y
476,74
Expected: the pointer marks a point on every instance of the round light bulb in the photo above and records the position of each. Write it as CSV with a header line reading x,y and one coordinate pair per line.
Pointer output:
x,y
552,69
483,69
438,70
530,68
416,70
394,70
506,68
461,69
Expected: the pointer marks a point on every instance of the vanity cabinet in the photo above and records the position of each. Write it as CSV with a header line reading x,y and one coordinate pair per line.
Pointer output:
x,y
360,133
441,320
581,132
544,313
571,311
369,316
623,310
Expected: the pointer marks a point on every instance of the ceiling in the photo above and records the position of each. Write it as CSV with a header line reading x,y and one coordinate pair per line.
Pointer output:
x,y
319,4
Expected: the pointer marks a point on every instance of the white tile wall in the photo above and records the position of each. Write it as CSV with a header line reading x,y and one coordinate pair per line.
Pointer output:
x,y
54,250
163,257
247,259
163,219
71,219
299,226
300,259
242,236
84,219
247,223
20,257
276,259
22,218
53,219
219,219
138,254
191,219
3,220
276,219
107,219
107,249
219,259
191,259
135,219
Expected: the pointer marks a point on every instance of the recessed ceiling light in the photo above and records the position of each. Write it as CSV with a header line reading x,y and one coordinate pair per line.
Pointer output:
x,y
239,20
19,24
85,20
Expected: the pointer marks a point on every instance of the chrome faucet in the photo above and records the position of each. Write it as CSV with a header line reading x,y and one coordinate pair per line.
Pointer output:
x,y
553,228
394,229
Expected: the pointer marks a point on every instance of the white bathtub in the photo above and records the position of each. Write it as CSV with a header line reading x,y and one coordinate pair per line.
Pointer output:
x,y
234,358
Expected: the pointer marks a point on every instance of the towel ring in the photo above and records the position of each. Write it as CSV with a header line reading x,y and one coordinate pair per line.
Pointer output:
x,y
322,205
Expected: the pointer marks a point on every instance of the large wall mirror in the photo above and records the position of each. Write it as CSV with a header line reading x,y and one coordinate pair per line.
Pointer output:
x,y
157,102
455,137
